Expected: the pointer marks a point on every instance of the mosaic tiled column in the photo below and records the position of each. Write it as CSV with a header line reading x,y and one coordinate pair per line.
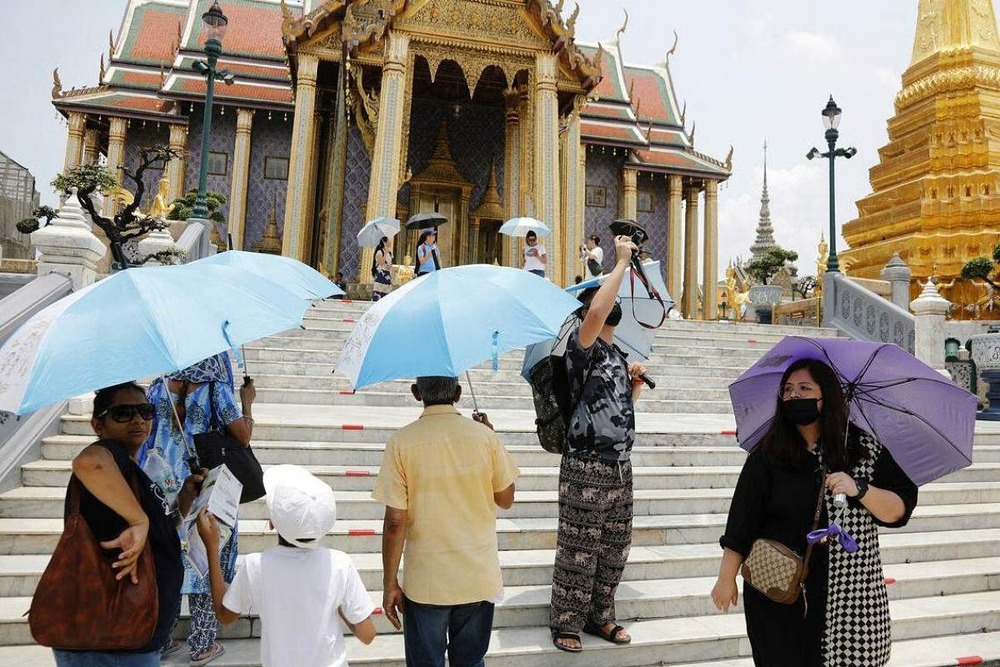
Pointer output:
x,y
74,139
710,261
176,170
116,155
511,167
91,147
547,158
689,300
387,154
293,237
241,175
572,201
675,237
630,197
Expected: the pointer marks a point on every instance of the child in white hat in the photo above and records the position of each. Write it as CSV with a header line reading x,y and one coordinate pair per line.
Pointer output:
x,y
301,592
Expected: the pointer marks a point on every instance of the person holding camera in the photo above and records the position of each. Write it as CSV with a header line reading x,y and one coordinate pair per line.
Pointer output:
x,y
535,256
592,253
595,476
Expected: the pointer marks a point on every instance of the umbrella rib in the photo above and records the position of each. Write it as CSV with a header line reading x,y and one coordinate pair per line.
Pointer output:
x,y
879,401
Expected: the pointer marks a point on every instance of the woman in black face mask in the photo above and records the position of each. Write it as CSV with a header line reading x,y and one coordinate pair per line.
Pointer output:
x,y
842,619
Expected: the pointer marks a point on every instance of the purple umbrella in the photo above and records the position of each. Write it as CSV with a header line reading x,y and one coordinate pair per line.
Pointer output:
x,y
925,419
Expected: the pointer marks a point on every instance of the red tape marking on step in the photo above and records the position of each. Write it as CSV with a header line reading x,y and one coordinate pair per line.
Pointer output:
x,y
346,392
360,532
727,432
347,319
751,340
970,660
889,581
352,427
358,473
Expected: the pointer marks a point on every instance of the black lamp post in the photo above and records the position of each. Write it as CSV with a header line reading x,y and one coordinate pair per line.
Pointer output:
x,y
215,29
831,119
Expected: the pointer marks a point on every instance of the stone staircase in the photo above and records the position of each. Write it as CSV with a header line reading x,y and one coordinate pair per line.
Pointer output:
x,y
944,567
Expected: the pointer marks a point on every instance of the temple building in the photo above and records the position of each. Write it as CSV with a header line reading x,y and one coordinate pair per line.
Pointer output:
x,y
480,111
18,198
936,190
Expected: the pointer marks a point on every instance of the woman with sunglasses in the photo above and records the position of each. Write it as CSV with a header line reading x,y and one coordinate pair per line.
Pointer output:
x,y
122,520
202,399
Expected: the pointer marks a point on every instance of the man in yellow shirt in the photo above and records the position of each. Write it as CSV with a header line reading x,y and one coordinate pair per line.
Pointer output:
x,y
441,479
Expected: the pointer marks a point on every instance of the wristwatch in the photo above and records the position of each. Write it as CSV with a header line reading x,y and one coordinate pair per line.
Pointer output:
x,y
862,488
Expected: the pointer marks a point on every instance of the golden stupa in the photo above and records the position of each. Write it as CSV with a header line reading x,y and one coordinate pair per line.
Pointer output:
x,y
935,192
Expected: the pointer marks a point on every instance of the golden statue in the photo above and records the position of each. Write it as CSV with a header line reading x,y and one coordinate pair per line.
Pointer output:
x,y
824,255
404,271
737,298
161,206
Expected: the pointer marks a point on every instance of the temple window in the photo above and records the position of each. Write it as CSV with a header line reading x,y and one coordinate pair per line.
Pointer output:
x,y
597,196
933,193
276,168
968,190
986,188
218,164
951,192
645,201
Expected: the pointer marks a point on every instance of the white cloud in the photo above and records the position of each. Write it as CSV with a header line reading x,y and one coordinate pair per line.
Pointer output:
x,y
814,45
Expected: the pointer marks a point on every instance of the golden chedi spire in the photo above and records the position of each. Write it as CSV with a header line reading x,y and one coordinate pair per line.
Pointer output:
x,y
936,189
270,242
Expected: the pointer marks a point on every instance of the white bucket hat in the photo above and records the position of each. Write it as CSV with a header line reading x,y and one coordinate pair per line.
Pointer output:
x,y
301,505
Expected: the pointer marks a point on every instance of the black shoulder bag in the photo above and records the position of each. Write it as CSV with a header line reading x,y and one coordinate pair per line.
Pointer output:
x,y
218,446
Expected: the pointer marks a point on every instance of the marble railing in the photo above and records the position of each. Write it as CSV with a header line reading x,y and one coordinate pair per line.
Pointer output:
x,y
864,315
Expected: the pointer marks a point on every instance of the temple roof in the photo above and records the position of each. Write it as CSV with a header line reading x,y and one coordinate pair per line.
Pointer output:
x,y
636,108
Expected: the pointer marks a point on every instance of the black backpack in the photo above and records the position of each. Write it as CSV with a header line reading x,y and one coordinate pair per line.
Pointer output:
x,y
553,404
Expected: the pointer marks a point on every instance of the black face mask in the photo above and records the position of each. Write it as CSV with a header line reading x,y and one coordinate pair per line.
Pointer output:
x,y
615,316
802,411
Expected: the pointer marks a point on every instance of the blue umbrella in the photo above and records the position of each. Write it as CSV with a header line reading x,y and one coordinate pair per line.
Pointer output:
x,y
139,323
292,274
449,321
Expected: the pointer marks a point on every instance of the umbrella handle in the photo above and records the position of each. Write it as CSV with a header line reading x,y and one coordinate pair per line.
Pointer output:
x,y
475,405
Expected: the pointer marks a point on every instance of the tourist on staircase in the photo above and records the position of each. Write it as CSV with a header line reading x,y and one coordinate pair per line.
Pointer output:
x,y
428,259
198,397
441,479
595,477
126,518
789,485
593,255
535,256
300,591
382,269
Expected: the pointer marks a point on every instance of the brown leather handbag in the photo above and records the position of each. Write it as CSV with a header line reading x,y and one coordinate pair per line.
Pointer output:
x,y
777,571
78,605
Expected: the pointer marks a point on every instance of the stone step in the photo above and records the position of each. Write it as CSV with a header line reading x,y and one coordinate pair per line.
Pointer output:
x,y
47,502
39,535
920,553
714,638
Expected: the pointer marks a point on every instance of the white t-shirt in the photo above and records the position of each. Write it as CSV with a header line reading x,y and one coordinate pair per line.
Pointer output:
x,y
599,257
296,593
533,262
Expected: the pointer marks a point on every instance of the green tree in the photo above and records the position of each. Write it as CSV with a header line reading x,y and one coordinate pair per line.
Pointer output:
x,y
31,224
762,269
982,267
184,206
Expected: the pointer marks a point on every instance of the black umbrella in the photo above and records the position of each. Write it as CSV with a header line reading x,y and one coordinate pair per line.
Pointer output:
x,y
623,227
425,220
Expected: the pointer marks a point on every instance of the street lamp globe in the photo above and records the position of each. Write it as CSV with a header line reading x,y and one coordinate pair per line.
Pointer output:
x,y
215,23
831,115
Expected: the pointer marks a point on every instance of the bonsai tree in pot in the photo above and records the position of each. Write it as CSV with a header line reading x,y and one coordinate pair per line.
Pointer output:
x,y
184,207
762,269
129,223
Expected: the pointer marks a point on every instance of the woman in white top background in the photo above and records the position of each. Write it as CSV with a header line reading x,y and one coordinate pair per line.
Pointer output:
x,y
592,254
535,256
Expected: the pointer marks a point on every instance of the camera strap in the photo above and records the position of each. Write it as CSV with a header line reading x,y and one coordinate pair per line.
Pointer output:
x,y
637,272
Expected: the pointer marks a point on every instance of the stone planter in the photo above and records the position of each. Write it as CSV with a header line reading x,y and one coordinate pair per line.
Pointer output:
x,y
762,299
985,351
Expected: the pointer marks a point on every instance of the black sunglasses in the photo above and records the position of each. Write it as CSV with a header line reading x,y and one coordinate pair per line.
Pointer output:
x,y
123,414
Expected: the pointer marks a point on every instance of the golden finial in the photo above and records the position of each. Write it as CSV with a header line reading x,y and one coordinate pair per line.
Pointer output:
x,y
694,126
631,87
111,44
100,71
163,76
559,7
649,130
729,159
621,30
684,112
56,84
180,34
571,23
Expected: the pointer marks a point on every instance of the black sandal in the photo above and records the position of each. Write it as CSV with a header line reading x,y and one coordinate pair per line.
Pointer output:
x,y
561,634
612,636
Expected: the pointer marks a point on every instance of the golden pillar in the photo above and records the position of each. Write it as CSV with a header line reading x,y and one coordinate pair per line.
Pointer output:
x,y
511,169
91,147
472,247
710,260
241,175
630,197
294,237
74,139
116,156
547,159
689,300
176,169
675,237
572,201
387,154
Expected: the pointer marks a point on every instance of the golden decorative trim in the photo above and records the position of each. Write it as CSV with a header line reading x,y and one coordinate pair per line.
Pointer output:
x,y
982,76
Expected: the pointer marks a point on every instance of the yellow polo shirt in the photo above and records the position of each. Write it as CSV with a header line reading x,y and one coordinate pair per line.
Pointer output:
x,y
443,469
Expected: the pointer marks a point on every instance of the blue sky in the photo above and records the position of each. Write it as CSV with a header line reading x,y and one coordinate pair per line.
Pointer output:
x,y
748,69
